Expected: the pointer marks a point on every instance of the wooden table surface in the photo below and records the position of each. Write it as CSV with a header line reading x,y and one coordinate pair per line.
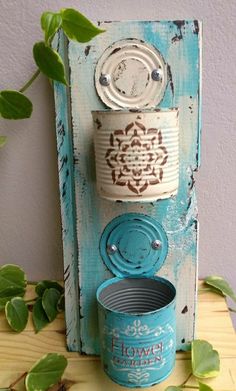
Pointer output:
x,y
19,351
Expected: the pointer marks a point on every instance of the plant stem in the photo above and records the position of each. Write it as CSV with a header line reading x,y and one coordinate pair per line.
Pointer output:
x,y
17,380
33,282
181,385
30,300
184,385
204,290
30,81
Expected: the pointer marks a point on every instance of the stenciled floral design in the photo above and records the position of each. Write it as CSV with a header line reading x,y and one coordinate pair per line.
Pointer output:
x,y
136,157
138,329
138,376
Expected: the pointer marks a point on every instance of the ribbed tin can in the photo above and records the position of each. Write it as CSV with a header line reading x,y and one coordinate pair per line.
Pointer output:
x,y
137,154
137,329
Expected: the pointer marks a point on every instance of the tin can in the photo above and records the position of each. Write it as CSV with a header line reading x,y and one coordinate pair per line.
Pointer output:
x,y
137,328
137,154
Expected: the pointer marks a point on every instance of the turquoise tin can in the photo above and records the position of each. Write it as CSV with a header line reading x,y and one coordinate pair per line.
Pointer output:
x,y
137,326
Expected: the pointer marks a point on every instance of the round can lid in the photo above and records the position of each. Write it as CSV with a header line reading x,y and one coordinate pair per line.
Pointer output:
x,y
133,244
131,74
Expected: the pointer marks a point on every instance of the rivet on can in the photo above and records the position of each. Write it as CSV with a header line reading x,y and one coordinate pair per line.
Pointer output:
x,y
111,248
156,75
156,244
105,79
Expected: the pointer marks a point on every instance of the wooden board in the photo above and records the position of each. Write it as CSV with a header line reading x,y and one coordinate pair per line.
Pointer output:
x,y
180,44
18,352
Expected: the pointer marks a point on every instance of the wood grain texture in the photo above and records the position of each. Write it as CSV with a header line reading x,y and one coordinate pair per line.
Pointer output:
x,y
180,45
18,352
67,201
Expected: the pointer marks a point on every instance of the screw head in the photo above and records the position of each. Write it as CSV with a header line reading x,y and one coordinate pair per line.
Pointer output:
x,y
105,79
111,248
156,244
156,75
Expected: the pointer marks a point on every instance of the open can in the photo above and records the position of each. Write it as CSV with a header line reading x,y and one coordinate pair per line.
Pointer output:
x,y
137,327
137,154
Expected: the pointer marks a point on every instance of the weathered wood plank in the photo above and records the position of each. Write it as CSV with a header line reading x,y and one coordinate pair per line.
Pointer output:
x,y
68,213
180,44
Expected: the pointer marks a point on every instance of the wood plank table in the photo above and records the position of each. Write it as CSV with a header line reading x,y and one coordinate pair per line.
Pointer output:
x,y
19,351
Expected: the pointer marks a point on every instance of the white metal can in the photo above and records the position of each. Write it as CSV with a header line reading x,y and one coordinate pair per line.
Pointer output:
x,y
137,154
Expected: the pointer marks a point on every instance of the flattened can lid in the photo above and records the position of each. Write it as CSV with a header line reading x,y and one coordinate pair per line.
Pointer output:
x,y
134,244
131,74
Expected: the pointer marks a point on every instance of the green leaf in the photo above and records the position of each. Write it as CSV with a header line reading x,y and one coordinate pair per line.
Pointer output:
x,y
14,105
204,387
173,388
222,285
39,316
61,304
4,300
12,281
46,284
3,140
46,372
17,314
49,62
77,27
49,301
50,23
205,360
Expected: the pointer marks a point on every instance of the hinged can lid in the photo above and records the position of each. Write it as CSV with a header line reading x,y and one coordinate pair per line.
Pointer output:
x,y
134,244
131,74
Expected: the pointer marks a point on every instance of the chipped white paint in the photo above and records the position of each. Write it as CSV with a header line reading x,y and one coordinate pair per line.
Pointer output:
x,y
177,215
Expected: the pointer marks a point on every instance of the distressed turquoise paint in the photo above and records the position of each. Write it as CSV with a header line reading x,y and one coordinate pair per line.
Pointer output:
x,y
133,235
138,344
177,215
68,213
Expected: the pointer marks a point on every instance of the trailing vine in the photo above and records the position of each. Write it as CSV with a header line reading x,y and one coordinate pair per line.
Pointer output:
x,y
15,104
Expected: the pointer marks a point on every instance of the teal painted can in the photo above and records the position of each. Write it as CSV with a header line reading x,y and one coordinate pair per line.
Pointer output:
x,y
137,326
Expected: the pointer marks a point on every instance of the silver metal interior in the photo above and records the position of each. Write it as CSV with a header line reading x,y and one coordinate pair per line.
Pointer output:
x,y
137,295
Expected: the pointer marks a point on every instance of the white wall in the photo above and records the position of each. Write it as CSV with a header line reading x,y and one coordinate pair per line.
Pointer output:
x,y
29,200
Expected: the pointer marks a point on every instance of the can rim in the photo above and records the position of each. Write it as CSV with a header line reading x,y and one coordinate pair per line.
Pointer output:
x,y
134,111
125,314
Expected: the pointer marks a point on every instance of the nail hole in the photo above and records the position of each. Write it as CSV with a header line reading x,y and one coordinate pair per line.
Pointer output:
x,y
184,310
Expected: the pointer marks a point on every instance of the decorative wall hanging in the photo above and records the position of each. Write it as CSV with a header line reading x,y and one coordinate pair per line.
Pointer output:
x,y
136,91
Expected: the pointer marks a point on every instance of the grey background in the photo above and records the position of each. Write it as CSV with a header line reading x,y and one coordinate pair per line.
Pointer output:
x,y
30,232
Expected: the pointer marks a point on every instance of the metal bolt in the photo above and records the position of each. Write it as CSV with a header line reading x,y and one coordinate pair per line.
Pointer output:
x,y
156,244
111,248
156,75
105,79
